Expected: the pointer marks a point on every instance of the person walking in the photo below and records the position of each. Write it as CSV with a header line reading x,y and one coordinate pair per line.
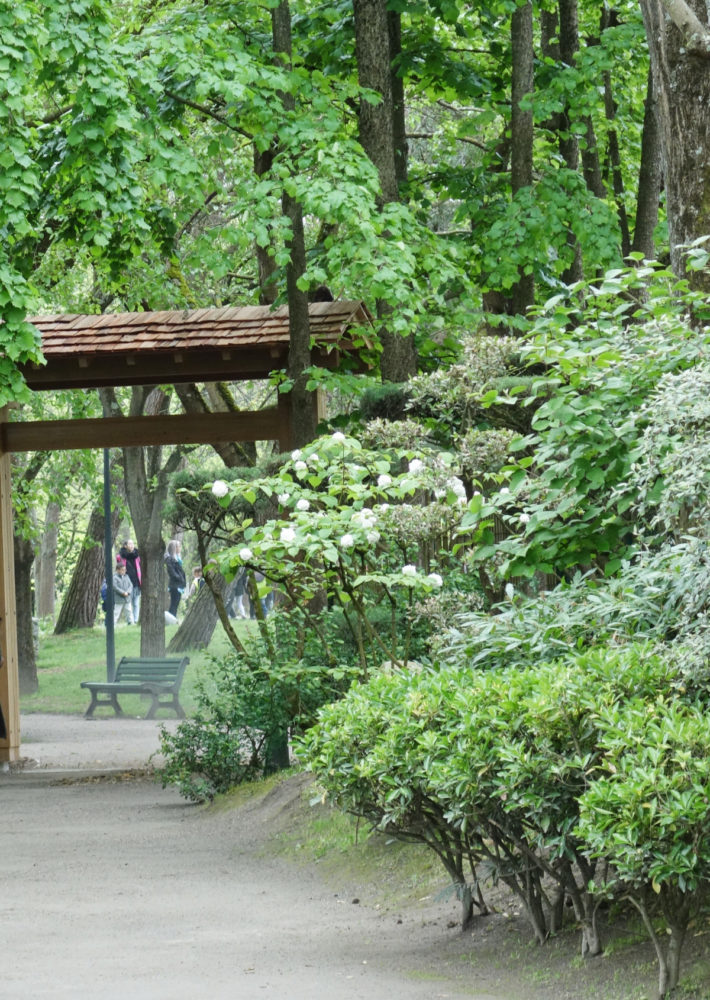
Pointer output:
x,y
129,553
176,575
122,590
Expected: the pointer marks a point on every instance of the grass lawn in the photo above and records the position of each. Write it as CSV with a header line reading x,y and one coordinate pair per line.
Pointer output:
x,y
66,660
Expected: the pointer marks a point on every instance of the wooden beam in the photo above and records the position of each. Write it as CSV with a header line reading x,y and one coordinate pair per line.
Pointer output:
x,y
129,432
92,371
217,365
9,674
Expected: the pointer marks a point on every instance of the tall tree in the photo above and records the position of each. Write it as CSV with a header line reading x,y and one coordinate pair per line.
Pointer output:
x,y
302,401
521,131
81,600
678,36
147,478
46,562
377,30
650,179
24,550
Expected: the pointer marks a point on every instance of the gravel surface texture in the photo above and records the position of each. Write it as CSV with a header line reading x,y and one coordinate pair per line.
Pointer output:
x,y
114,888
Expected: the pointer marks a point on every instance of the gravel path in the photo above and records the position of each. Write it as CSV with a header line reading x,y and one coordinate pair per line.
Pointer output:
x,y
115,888
73,743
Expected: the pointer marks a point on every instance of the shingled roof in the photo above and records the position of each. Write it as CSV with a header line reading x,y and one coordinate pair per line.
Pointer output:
x,y
235,342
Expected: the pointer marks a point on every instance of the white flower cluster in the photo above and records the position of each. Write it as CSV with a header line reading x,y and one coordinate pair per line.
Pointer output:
x,y
457,488
246,554
364,518
220,488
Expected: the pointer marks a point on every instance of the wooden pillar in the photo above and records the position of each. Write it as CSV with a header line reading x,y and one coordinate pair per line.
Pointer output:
x,y
9,676
284,409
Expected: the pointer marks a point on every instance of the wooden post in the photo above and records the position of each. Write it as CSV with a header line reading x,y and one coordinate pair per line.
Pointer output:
x,y
9,675
285,435
320,402
284,418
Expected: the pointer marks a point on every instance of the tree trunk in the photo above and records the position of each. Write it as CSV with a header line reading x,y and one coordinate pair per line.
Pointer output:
x,y
266,263
146,482
304,418
377,33
399,125
681,83
609,19
81,599
559,40
650,179
521,130
27,660
198,625
46,566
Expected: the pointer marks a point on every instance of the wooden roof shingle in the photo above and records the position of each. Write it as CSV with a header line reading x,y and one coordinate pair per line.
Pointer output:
x,y
228,343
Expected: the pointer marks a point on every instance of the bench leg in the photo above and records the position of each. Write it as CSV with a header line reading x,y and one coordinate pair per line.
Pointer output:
x,y
112,702
174,704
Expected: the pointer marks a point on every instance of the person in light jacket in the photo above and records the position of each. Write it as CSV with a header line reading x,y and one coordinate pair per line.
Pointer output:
x,y
122,591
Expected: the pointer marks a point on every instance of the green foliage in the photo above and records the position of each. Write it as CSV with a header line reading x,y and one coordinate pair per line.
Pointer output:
x,y
387,401
488,767
648,813
195,508
570,499
671,467
246,703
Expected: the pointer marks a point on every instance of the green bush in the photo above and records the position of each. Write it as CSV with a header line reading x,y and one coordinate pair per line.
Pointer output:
x,y
246,709
648,815
488,768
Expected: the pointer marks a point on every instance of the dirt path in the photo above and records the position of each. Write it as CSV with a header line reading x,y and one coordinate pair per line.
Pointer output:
x,y
115,889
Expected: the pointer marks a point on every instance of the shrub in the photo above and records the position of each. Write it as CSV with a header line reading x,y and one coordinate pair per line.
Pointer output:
x,y
648,815
246,709
487,768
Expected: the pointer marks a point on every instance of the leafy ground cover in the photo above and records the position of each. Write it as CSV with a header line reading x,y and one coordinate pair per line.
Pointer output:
x,y
66,660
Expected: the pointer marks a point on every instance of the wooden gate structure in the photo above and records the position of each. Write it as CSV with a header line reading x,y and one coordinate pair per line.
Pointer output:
x,y
152,348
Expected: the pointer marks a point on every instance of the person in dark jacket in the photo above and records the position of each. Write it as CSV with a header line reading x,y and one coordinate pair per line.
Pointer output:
x,y
129,553
176,575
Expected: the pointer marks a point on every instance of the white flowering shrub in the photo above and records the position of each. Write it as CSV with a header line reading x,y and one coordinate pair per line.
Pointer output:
x,y
367,534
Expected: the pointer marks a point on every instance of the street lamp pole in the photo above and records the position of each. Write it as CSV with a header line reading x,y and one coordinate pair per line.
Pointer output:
x,y
108,552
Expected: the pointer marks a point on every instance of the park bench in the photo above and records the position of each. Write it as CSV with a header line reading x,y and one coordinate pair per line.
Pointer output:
x,y
152,676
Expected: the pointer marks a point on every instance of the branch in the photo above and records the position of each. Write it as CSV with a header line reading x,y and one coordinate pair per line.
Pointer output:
x,y
208,113
694,32
49,119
